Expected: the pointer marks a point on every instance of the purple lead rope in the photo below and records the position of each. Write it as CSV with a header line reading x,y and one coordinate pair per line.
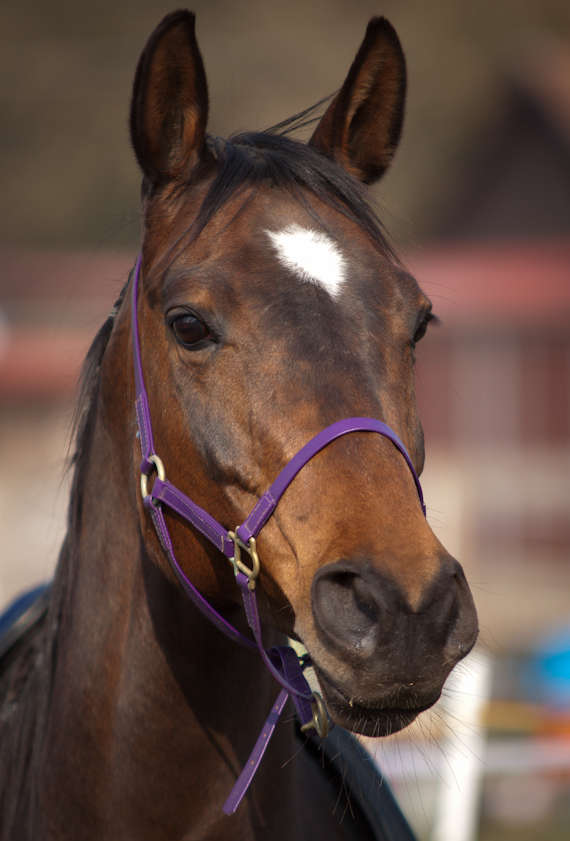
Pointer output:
x,y
282,661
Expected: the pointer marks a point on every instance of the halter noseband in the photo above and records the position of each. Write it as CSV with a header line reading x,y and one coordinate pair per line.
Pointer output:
x,y
281,661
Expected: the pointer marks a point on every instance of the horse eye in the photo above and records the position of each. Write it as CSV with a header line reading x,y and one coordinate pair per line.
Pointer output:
x,y
189,329
423,326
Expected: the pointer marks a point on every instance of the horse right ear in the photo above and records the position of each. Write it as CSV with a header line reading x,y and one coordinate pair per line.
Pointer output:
x,y
169,109
361,127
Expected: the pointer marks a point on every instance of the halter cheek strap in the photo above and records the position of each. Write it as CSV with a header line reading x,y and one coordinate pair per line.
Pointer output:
x,y
282,661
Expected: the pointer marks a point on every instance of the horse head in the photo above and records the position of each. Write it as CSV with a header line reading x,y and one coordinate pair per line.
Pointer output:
x,y
271,306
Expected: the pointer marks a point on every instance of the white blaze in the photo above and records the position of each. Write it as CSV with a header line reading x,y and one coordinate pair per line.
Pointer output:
x,y
311,255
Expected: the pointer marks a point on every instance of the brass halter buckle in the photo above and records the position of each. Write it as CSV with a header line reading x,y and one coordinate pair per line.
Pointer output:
x,y
320,719
237,563
160,471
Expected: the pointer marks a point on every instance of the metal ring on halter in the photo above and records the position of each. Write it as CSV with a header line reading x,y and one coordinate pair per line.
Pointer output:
x,y
237,563
320,719
160,471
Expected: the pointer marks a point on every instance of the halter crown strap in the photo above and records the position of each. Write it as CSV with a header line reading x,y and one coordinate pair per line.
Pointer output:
x,y
141,403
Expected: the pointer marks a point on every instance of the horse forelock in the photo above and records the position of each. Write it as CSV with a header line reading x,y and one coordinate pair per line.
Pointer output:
x,y
247,161
255,158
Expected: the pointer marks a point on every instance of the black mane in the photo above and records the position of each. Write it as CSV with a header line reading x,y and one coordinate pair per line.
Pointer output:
x,y
247,160
27,673
252,158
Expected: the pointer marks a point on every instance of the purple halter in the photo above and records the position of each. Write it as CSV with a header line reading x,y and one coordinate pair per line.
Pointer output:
x,y
281,661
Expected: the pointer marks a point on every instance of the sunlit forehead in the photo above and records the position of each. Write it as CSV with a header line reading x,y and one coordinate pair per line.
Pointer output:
x,y
312,255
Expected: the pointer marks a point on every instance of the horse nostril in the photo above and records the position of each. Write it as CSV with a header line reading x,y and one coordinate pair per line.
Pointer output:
x,y
363,598
367,616
345,609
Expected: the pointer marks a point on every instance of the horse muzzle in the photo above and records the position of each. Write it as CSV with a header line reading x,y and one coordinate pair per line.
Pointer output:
x,y
381,661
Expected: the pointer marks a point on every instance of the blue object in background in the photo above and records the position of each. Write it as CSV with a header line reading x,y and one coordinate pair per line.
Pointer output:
x,y
21,615
549,669
19,606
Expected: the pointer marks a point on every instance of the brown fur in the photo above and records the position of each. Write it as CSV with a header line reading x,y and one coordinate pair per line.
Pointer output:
x,y
150,712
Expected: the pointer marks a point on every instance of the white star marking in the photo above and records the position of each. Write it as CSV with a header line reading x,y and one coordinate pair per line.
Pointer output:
x,y
311,255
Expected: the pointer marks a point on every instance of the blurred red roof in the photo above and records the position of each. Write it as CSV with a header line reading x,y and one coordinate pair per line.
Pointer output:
x,y
496,282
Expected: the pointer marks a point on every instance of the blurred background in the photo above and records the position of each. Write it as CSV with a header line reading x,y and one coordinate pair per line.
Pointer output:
x,y
478,205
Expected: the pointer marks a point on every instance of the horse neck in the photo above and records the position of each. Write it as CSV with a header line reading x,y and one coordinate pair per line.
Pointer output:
x,y
146,691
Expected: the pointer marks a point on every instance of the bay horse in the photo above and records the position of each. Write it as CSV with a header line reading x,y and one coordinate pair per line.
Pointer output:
x,y
267,331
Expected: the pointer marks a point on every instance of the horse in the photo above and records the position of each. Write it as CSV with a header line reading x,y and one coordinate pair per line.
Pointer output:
x,y
265,339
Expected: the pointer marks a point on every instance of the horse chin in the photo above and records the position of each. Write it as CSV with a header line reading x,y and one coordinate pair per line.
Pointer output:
x,y
374,718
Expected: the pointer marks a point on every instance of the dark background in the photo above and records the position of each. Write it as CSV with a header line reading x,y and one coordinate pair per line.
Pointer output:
x,y
67,174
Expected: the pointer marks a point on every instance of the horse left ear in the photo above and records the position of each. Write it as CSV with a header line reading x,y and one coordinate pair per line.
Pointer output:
x,y
169,108
362,125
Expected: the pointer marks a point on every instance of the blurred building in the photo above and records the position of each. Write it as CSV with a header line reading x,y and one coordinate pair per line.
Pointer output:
x,y
494,395
514,181
494,384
